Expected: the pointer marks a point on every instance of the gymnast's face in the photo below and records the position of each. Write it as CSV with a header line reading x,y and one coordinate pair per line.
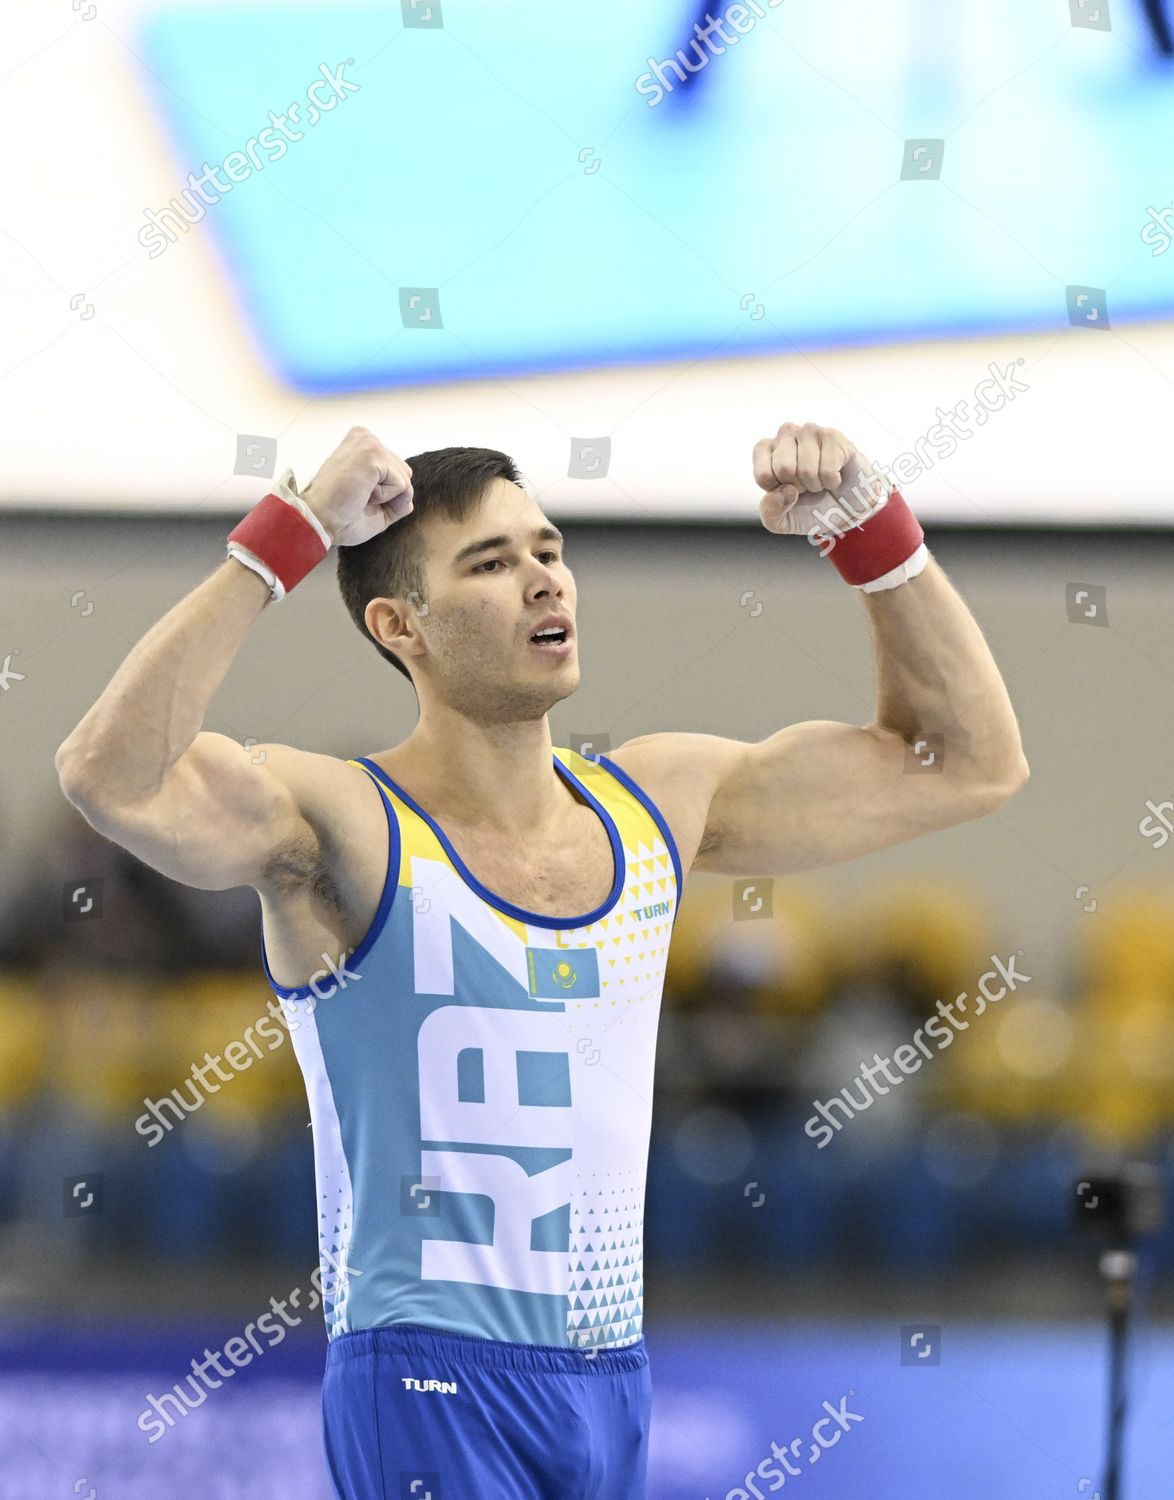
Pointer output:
x,y
492,581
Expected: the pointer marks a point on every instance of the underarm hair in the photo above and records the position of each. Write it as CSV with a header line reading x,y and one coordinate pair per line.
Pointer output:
x,y
300,866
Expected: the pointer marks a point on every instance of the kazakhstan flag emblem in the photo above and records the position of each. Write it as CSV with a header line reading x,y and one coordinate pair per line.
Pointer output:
x,y
555,973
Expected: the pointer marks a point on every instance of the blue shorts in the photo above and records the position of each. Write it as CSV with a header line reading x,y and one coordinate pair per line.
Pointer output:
x,y
414,1413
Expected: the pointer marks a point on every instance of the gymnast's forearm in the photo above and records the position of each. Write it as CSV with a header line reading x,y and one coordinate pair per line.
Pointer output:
x,y
154,705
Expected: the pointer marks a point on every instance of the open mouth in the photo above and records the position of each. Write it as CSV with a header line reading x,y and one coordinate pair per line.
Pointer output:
x,y
549,638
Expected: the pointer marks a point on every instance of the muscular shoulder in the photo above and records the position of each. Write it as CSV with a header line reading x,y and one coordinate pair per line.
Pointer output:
x,y
681,772
700,760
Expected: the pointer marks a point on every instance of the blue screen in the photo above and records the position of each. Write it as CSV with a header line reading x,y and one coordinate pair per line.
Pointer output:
x,y
501,195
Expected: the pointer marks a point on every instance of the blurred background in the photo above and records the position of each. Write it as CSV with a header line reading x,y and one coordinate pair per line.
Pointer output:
x,y
916,223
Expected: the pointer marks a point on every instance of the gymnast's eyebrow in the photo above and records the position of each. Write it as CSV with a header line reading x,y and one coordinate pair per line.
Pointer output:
x,y
540,533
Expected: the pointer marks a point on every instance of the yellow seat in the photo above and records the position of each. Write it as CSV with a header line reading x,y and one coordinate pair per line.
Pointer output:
x,y
780,959
24,1027
1123,953
99,1041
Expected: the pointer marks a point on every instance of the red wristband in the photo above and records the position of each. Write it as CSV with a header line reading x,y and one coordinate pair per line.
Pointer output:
x,y
875,547
280,536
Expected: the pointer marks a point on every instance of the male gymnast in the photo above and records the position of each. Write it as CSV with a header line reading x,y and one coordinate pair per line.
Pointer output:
x,y
471,927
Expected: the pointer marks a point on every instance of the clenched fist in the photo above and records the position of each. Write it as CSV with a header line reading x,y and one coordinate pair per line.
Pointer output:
x,y
361,489
809,472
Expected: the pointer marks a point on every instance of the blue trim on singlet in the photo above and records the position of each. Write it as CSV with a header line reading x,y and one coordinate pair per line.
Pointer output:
x,y
390,885
657,817
499,902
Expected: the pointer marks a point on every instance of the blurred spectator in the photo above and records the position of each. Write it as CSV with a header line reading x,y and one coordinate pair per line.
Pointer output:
x,y
88,902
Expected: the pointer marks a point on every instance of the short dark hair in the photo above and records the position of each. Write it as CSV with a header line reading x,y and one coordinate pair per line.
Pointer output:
x,y
447,482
